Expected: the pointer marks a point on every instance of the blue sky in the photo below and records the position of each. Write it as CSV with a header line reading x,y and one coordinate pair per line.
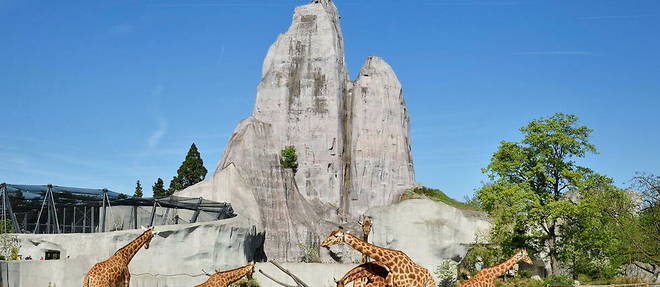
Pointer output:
x,y
103,93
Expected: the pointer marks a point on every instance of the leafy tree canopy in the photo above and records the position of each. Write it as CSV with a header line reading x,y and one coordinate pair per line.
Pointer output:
x,y
531,182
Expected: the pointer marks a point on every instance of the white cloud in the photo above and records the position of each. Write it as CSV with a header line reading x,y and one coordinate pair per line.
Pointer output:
x,y
157,135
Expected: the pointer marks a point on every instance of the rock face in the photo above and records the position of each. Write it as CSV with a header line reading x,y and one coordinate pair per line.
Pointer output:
x,y
426,230
301,96
351,139
381,163
174,258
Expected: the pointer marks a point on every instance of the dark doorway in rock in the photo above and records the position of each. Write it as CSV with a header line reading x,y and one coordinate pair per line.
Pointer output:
x,y
52,255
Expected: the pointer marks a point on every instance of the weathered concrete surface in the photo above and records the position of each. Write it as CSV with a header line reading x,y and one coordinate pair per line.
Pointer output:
x,y
381,162
314,274
301,96
426,230
346,163
177,249
250,177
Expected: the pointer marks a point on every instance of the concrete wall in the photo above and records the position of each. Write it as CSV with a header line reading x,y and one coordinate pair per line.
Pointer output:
x,y
183,249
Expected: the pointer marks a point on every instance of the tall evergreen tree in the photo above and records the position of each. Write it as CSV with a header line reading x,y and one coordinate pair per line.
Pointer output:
x,y
138,190
159,188
190,172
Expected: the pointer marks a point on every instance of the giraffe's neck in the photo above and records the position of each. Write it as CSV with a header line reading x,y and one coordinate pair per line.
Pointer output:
x,y
127,252
365,238
503,267
379,254
234,275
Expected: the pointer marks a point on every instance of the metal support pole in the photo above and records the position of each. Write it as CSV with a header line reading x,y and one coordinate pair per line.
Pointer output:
x,y
135,211
73,222
57,222
64,220
167,212
84,227
49,210
8,208
102,221
43,203
153,213
196,214
4,209
91,226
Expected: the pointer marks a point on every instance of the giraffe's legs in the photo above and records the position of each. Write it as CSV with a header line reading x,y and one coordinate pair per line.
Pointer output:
x,y
127,277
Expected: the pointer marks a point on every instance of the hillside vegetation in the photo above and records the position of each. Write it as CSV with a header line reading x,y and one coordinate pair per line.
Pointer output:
x,y
435,195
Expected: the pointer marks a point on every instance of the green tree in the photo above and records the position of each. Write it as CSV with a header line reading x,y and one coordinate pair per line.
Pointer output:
x,y
289,159
530,179
592,242
159,188
645,228
190,172
138,190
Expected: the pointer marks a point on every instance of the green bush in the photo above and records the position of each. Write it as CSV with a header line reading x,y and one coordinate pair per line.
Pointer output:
x,y
245,282
626,280
310,253
519,282
522,273
559,280
435,195
446,273
289,158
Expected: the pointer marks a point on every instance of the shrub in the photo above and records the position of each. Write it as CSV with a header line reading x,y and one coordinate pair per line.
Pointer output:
x,y
435,195
245,282
522,273
520,282
559,280
626,280
446,272
310,253
289,158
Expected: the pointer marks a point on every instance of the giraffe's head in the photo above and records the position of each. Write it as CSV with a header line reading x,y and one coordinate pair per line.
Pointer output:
x,y
335,237
250,271
366,224
522,255
149,234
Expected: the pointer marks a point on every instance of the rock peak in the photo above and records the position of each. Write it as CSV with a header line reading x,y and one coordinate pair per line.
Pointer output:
x,y
351,138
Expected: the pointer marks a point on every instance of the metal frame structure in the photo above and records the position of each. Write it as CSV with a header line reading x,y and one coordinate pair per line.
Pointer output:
x,y
6,208
82,209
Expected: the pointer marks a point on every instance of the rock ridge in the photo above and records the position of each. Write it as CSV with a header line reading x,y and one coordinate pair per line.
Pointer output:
x,y
351,139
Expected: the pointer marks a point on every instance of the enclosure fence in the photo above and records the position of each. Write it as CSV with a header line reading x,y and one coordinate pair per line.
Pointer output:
x,y
53,209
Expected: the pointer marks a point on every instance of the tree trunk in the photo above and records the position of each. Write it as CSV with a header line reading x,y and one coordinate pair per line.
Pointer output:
x,y
555,268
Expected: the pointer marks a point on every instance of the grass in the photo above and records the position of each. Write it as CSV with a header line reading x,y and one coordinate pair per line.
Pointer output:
x,y
436,195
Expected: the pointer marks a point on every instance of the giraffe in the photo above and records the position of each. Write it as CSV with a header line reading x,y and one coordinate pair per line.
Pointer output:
x,y
403,271
486,277
366,229
113,272
225,278
370,274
